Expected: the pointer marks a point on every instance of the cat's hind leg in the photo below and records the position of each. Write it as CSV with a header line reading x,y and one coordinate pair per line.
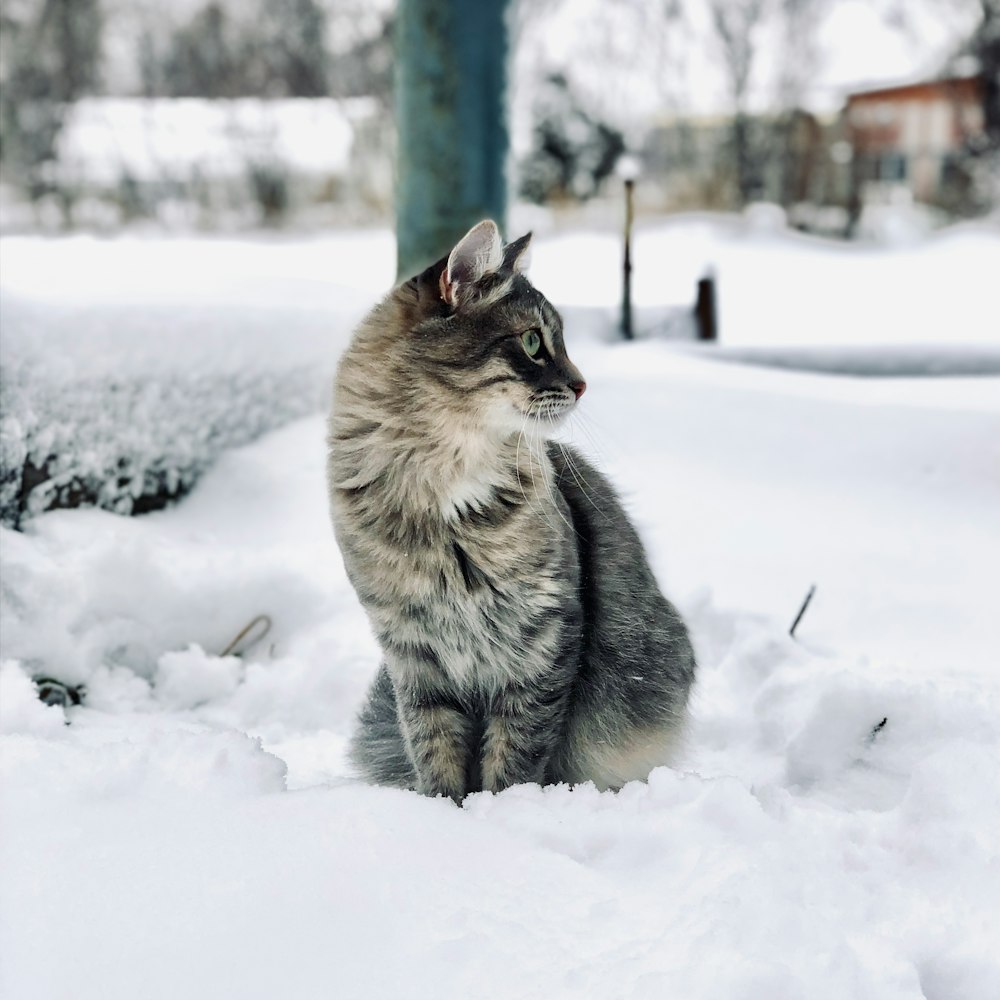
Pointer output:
x,y
377,749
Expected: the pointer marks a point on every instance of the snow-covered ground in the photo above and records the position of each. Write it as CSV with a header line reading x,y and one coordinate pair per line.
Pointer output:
x,y
194,832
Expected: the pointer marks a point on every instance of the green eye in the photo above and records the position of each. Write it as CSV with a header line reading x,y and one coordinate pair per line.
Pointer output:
x,y
531,340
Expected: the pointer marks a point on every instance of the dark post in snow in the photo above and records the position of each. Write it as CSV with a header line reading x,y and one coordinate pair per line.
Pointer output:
x,y
627,263
450,99
705,313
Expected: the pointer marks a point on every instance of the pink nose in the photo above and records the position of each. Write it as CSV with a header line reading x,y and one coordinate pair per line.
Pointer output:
x,y
578,387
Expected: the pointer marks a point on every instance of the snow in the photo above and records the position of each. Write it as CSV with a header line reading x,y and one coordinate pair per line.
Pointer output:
x,y
195,832
770,281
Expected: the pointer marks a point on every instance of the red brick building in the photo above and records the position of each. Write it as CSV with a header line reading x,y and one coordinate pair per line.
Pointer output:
x,y
911,137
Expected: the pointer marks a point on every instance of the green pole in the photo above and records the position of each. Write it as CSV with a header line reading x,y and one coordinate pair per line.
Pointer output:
x,y
451,124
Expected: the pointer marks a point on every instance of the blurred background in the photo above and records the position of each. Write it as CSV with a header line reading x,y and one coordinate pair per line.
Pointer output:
x,y
856,118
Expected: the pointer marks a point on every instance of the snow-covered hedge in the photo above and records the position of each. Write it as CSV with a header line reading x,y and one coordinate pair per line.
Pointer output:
x,y
131,444
130,365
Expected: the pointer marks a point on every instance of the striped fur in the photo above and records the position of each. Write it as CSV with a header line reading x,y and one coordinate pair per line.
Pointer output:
x,y
524,636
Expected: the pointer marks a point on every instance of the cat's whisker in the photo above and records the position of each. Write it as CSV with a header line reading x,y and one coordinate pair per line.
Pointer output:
x,y
535,502
525,435
578,478
546,502
517,459
549,489
584,421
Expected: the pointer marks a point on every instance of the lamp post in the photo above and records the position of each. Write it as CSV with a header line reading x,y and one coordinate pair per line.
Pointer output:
x,y
628,169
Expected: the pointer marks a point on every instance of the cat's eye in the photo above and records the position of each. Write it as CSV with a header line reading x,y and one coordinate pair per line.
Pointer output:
x,y
531,340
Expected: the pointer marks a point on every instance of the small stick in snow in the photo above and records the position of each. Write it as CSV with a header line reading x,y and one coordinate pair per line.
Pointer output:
x,y
877,729
802,610
244,632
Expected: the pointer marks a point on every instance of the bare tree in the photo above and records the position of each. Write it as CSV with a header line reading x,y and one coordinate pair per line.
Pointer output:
x,y
51,57
734,23
986,48
982,160
794,140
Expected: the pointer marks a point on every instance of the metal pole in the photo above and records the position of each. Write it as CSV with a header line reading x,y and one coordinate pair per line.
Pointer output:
x,y
627,332
450,99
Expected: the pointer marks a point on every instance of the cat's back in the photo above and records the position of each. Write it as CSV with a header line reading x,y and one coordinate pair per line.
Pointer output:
x,y
638,664
613,560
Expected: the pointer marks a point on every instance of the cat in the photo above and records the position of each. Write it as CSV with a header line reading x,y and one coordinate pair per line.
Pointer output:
x,y
524,636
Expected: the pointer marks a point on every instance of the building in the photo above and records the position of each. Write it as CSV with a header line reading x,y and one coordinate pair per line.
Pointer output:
x,y
695,163
911,139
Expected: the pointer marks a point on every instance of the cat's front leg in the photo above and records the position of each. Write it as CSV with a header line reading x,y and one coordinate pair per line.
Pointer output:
x,y
438,739
520,736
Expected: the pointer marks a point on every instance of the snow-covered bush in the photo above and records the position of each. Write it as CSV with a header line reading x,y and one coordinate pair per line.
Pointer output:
x,y
129,366
134,444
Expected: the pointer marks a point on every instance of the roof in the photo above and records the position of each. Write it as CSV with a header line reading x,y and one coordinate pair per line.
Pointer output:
x,y
916,88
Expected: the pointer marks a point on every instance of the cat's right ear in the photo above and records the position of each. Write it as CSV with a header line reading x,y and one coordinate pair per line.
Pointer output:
x,y
479,252
517,255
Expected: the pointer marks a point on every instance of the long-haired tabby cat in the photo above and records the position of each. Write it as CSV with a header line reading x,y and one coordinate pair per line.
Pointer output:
x,y
524,636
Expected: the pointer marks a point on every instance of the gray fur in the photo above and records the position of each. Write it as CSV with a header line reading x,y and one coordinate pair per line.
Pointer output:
x,y
523,633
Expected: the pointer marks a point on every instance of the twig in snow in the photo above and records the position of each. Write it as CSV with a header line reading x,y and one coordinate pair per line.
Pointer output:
x,y
244,632
877,729
802,610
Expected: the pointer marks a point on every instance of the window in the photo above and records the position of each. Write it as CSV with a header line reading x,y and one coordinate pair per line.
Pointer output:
x,y
892,167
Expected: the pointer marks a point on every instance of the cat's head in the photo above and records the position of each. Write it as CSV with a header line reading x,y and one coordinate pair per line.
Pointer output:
x,y
487,341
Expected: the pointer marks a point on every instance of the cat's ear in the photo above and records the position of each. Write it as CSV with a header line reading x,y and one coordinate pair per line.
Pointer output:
x,y
479,252
517,255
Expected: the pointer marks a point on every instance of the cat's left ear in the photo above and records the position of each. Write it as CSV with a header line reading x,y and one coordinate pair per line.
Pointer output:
x,y
517,255
479,252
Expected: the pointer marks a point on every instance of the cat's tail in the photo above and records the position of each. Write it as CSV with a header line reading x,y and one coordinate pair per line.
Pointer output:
x,y
377,749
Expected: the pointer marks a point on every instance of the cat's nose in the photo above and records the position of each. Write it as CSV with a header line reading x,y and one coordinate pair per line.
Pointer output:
x,y
578,387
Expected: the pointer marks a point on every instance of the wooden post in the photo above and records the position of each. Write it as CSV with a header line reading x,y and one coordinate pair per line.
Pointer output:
x,y
705,313
627,332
